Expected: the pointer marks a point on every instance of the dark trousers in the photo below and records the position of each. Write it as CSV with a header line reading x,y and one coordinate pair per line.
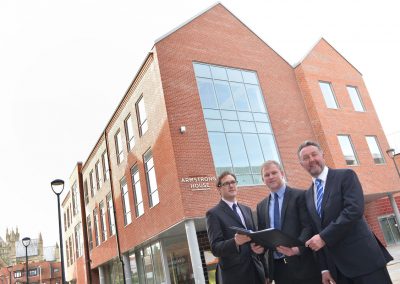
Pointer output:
x,y
283,275
380,276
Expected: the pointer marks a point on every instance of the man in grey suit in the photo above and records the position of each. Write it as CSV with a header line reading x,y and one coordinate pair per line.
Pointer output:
x,y
348,251
285,209
237,262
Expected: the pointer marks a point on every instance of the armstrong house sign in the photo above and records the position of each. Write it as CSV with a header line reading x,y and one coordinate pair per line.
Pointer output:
x,y
200,182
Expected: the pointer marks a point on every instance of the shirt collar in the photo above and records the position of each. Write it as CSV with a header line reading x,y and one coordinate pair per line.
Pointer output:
x,y
280,191
230,203
322,176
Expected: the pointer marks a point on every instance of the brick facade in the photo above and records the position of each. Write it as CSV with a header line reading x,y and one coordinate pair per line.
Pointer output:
x,y
167,84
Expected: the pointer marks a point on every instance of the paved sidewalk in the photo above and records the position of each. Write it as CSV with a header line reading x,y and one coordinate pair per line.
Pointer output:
x,y
394,265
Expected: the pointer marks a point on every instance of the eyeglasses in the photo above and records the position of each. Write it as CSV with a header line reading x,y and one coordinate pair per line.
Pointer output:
x,y
228,183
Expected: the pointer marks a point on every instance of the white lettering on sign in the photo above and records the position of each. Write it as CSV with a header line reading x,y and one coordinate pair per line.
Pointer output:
x,y
199,183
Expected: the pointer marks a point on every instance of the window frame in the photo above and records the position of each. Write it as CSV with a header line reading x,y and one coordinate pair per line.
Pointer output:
x,y
142,119
356,160
358,97
136,186
130,137
126,206
119,149
379,149
150,191
332,94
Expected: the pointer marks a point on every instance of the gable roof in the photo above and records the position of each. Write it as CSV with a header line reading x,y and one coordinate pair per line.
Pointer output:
x,y
334,49
206,10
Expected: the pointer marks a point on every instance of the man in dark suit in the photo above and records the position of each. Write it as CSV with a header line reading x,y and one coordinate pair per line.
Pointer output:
x,y
348,251
285,209
237,262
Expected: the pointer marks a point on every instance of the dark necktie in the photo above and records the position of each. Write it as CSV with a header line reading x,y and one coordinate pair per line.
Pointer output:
x,y
277,214
234,208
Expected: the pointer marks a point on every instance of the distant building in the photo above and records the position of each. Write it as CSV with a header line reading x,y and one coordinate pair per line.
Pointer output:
x,y
12,251
212,96
45,272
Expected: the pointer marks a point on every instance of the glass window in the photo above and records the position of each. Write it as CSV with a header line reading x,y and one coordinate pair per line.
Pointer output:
x,y
152,262
118,147
103,221
96,227
139,208
134,269
329,96
98,171
125,202
141,116
355,98
17,274
202,70
111,216
33,271
106,169
130,139
85,192
375,150
89,232
78,240
75,199
348,150
91,181
151,178
239,130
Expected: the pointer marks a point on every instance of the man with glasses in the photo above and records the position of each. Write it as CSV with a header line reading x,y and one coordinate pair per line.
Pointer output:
x,y
347,249
284,209
238,263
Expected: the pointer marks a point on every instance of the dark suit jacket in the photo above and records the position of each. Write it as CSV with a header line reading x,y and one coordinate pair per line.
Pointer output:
x,y
350,244
295,223
238,265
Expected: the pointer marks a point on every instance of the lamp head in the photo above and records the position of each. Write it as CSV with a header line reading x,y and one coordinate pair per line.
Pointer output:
x,y
26,241
57,186
390,152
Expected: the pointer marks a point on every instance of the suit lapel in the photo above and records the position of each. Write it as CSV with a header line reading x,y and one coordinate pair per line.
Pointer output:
x,y
327,189
266,210
286,199
247,217
225,207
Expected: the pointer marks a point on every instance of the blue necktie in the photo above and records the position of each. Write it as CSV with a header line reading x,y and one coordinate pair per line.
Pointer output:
x,y
277,214
320,194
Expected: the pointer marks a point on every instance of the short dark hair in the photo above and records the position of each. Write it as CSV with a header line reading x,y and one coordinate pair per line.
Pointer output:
x,y
224,174
306,144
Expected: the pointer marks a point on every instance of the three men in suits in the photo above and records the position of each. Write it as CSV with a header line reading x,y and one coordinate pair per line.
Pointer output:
x,y
348,251
237,262
285,209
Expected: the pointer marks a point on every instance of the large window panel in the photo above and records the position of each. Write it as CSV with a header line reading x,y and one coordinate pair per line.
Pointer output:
x,y
139,207
224,95
151,179
207,94
347,149
239,96
125,202
220,152
329,96
375,149
239,130
355,98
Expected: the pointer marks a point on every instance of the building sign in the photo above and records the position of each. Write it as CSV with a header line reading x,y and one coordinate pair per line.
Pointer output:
x,y
199,183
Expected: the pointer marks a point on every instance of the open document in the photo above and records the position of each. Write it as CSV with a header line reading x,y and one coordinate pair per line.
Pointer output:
x,y
269,238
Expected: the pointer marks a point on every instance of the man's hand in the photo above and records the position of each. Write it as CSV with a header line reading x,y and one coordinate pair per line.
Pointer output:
x,y
315,243
327,278
257,248
288,251
241,239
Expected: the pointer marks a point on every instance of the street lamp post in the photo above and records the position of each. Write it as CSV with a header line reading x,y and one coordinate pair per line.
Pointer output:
x,y
391,153
26,242
57,186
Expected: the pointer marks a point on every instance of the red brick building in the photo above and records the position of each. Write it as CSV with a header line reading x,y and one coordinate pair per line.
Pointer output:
x,y
46,272
212,96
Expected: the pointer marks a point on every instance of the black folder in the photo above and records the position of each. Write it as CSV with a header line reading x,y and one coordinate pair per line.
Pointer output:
x,y
269,238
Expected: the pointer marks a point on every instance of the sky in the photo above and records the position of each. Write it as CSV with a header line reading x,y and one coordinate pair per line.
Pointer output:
x,y
65,66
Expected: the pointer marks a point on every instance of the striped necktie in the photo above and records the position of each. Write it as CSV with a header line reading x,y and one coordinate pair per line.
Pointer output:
x,y
320,194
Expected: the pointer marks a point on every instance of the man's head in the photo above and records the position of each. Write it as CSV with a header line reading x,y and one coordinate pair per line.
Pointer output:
x,y
272,175
227,185
311,157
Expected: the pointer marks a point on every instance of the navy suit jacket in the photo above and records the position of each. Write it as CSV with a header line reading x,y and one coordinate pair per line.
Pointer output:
x,y
295,223
350,244
238,265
